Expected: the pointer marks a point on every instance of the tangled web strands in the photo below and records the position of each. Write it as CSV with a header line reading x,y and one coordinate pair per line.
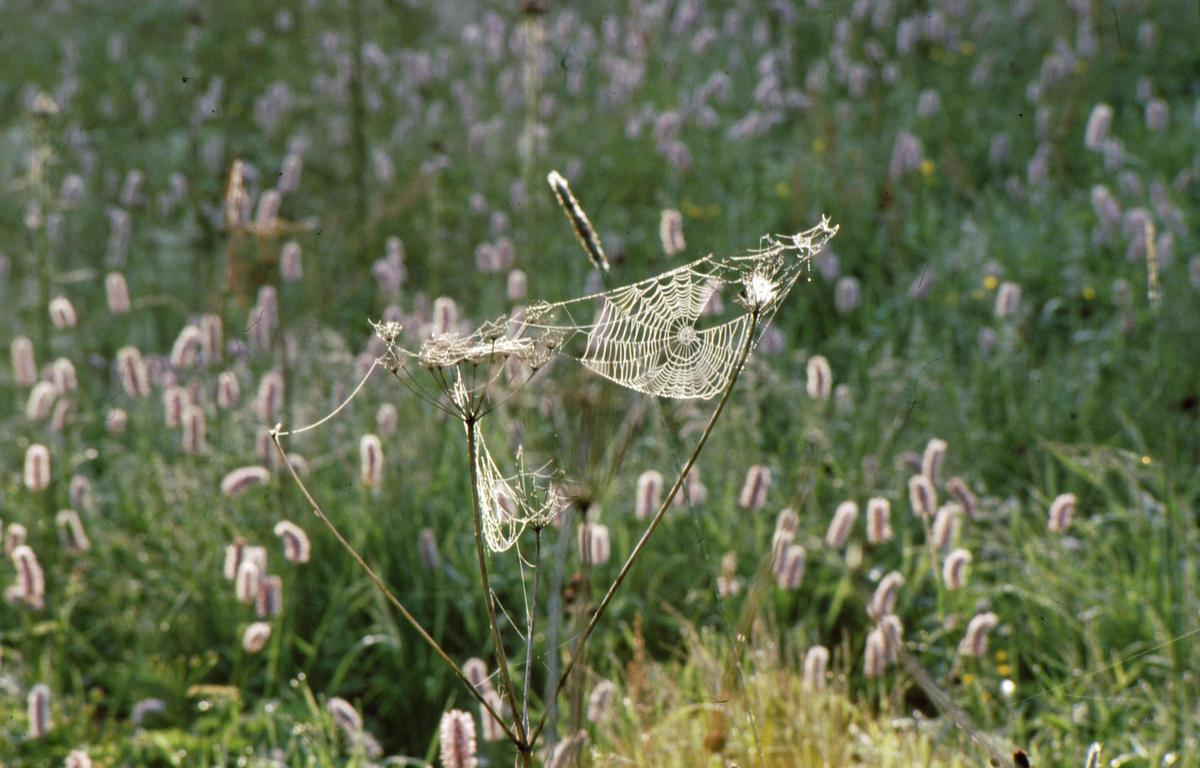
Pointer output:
x,y
507,503
645,337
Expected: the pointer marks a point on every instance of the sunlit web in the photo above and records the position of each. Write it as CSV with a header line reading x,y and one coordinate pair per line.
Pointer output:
x,y
646,337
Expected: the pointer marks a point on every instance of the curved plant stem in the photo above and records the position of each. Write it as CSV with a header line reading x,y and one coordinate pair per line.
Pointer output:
x,y
531,625
488,599
658,516
433,644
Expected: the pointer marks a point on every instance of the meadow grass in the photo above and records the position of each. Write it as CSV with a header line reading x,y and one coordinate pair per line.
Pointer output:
x,y
746,118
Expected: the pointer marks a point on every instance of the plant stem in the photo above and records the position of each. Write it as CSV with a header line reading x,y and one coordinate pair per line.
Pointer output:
x,y
658,516
488,600
412,621
531,624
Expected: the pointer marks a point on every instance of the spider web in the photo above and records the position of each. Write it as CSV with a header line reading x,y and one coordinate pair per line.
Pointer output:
x,y
645,336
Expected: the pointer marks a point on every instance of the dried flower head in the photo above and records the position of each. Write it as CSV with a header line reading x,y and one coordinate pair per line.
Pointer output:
x,y
816,660
296,547
37,468
269,599
790,572
456,739
255,638
70,532
962,494
945,525
649,494
62,312
670,232
600,701
954,569
38,711
579,221
974,642
135,379
593,543
1061,511
841,525
244,478
754,490
879,525
883,601
820,378
23,364
931,460
370,451
30,586
922,496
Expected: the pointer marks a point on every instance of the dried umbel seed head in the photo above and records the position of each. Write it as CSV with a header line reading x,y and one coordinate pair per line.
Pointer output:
x,y
62,375
23,364
175,400
879,520
962,494
516,285
841,525
345,716
1095,136
974,642
71,533
255,638
579,221
244,478
931,460
883,601
593,543
954,569
41,401
600,701
816,661
754,490
135,379
296,547
1061,511
246,584
116,293
37,468
194,430
38,711
213,337
789,573
269,600
386,419
228,390
370,451
30,585
875,654
649,494
456,740
291,265
62,312
820,378
77,758
270,396
670,232
427,549
922,496
946,524
187,348
1008,300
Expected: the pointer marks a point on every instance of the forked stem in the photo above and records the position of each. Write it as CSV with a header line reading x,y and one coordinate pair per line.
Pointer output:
x,y
488,599
412,621
658,517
